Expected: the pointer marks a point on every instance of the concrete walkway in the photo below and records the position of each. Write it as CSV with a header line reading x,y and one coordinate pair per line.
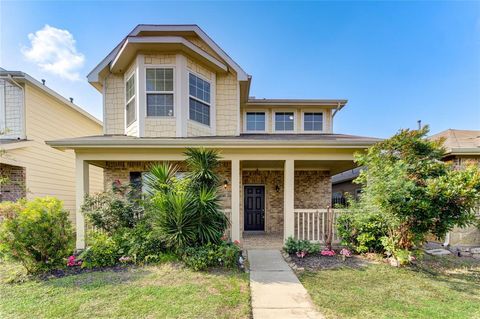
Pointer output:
x,y
276,291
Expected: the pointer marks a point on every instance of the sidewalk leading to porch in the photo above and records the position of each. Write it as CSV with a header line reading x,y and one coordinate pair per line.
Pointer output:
x,y
276,291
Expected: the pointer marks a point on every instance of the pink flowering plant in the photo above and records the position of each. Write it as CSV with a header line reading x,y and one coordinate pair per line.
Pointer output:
x,y
300,247
73,261
345,252
327,252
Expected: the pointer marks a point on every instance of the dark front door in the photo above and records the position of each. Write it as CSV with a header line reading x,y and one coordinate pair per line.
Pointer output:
x,y
254,208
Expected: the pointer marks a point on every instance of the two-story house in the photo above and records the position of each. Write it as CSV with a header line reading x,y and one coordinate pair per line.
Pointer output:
x,y
30,114
169,87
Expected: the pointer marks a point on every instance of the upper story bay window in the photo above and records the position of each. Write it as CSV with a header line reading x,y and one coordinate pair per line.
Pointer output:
x,y
199,99
130,100
159,89
313,121
255,121
284,121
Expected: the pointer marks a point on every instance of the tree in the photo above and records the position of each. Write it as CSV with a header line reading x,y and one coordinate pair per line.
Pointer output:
x,y
414,191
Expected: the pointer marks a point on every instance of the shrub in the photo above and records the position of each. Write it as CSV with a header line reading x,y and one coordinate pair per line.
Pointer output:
x,y
411,193
39,235
140,244
11,209
293,246
362,232
211,255
102,251
113,210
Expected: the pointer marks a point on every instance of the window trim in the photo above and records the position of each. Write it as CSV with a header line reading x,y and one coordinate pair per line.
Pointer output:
x,y
127,78
173,92
313,131
274,128
210,105
255,111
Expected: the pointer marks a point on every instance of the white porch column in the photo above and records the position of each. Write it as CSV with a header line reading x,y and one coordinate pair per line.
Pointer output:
x,y
235,181
288,199
81,188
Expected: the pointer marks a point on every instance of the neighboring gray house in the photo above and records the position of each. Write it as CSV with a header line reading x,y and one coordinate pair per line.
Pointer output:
x,y
343,183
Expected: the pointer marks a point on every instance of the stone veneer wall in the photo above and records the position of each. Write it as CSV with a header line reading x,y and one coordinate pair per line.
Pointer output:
x,y
15,188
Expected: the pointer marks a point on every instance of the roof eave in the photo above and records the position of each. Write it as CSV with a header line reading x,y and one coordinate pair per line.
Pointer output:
x,y
227,143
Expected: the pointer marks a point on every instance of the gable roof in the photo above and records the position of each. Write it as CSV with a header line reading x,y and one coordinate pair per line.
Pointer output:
x,y
460,142
182,29
24,77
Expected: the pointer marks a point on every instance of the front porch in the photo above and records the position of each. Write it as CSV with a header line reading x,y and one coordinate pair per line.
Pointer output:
x,y
266,200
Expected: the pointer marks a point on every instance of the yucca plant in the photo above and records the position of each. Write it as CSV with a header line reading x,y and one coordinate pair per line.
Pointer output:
x,y
191,215
176,219
160,178
202,165
211,221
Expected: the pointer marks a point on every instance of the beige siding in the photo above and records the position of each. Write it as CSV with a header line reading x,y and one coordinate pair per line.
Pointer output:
x,y
200,69
49,171
197,129
227,104
202,45
168,59
114,108
160,126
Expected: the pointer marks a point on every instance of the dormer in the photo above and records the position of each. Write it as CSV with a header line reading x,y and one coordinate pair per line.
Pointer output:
x,y
170,81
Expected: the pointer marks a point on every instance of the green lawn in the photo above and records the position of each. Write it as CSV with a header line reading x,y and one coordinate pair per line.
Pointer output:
x,y
438,288
163,291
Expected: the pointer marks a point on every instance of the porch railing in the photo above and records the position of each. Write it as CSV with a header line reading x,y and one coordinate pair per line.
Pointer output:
x,y
311,224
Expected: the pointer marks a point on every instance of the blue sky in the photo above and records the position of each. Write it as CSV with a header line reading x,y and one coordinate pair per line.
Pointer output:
x,y
396,62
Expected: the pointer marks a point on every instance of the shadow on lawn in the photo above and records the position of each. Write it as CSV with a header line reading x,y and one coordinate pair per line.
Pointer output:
x,y
168,274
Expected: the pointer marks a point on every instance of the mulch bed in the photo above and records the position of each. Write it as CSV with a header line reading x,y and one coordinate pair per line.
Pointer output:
x,y
319,262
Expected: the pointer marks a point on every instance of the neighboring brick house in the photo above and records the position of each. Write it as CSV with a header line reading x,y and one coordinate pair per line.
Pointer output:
x,y
169,87
31,113
462,147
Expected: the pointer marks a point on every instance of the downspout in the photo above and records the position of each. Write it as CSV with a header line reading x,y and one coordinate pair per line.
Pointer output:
x,y
333,115
446,243
336,110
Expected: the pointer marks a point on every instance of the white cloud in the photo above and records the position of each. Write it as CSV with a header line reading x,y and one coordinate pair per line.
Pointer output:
x,y
54,51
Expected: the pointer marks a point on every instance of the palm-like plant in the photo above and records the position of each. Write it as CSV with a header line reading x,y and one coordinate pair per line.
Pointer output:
x,y
176,219
211,221
160,178
191,217
202,165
